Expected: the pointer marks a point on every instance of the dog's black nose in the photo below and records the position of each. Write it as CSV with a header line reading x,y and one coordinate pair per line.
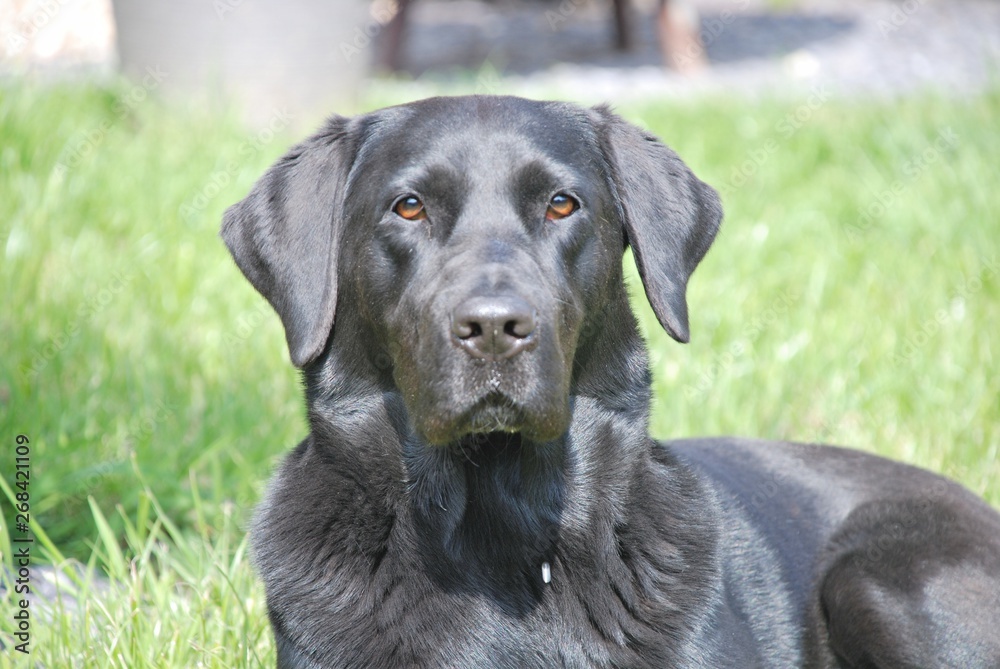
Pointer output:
x,y
493,327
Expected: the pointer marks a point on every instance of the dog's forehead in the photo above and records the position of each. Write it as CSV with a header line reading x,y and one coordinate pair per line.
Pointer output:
x,y
474,131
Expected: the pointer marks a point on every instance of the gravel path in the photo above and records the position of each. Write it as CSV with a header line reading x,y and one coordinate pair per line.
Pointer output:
x,y
549,48
850,47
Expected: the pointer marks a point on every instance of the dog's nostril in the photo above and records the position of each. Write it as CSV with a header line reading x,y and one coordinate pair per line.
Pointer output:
x,y
519,328
493,327
465,327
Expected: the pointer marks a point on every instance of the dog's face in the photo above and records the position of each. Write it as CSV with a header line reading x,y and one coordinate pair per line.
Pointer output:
x,y
478,240
474,239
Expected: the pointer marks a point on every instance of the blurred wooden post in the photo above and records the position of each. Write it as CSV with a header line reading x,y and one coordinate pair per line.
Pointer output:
x,y
391,50
307,57
623,25
679,33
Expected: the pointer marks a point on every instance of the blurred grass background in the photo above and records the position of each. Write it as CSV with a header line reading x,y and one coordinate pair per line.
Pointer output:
x,y
853,297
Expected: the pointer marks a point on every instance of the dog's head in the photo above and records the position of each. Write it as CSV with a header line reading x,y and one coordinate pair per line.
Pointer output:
x,y
470,244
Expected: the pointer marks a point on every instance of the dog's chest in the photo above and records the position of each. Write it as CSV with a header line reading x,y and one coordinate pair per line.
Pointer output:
x,y
459,632
413,622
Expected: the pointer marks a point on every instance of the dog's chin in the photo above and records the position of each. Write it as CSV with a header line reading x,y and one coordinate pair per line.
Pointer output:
x,y
492,414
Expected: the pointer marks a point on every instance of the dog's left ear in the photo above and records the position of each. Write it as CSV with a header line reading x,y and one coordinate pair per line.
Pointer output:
x,y
670,216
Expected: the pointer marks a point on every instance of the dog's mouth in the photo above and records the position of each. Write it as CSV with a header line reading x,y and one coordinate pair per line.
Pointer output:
x,y
494,413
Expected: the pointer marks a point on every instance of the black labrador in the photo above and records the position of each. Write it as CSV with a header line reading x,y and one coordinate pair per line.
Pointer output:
x,y
479,489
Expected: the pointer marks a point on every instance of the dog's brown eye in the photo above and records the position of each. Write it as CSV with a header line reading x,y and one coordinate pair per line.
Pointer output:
x,y
561,206
410,208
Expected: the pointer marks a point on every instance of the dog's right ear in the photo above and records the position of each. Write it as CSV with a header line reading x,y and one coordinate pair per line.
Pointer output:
x,y
285,235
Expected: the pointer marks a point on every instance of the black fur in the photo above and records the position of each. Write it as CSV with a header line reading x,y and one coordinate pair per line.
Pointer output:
x,y
442,478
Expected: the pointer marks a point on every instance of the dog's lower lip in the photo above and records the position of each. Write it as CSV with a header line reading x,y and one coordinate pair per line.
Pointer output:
x,y
495,412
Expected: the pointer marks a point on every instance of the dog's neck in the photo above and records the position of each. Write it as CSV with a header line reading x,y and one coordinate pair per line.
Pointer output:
x,y
492,513
488,513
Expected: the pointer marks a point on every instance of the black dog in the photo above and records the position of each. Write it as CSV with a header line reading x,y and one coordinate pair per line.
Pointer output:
x,y
479,489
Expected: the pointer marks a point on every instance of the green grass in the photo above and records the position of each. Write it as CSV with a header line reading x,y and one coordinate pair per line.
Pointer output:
x,y
853,294
154,386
